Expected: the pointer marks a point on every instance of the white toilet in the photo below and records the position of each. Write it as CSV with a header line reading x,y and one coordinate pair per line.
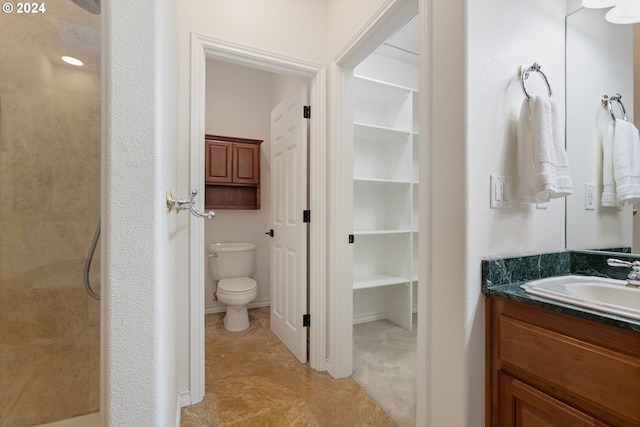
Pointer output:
x,y
231,266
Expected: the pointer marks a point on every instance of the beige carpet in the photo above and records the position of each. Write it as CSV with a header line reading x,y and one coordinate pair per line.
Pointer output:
x,y
385,367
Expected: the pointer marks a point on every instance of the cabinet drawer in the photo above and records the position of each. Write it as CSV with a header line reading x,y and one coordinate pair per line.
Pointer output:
x,y
605,378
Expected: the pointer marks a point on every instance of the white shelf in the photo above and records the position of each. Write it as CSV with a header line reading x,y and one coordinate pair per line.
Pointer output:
x,y
381,182
385,193
375,133
378,280
380,232
382,105
371,83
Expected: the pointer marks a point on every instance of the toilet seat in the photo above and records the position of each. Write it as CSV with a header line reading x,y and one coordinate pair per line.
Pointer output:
x,y
237,285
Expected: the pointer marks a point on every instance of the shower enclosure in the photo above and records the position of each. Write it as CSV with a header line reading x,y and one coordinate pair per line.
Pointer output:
x,y
49,208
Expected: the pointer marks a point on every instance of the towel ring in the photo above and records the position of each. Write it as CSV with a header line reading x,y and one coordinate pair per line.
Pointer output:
x,y
607,103
524,71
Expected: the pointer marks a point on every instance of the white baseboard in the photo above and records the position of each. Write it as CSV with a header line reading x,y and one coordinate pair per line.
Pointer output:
x,y
184,399
370,317
82,421
223,308
363,318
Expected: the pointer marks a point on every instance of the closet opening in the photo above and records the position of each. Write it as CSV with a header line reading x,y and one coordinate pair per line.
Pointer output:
x,y
385,138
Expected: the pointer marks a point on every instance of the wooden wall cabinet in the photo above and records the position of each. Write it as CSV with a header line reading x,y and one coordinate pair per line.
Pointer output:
x,y
232,172
550,369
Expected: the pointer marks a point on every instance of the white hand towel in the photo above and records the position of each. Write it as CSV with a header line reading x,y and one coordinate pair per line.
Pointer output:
x,y
543,168
609,195
626,162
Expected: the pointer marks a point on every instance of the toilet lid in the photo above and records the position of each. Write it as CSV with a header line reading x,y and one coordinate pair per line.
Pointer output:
x,y
237,284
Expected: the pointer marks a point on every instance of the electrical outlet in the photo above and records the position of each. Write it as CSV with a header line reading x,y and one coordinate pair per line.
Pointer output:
x,y
500,192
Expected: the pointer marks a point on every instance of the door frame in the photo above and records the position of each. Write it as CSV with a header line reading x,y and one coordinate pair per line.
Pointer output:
x,y
389,17
203,48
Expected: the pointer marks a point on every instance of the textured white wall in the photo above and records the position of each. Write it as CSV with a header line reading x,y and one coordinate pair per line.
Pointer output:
x,y
138,274
477,48
346,18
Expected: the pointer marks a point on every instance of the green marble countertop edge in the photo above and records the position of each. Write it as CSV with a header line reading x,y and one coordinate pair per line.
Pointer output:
x,y
514,292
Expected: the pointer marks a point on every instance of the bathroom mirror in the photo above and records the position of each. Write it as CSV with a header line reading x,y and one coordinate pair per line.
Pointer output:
x,y
599,60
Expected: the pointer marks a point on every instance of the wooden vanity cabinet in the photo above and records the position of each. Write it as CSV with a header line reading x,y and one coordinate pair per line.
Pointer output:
x,y
550,369
232,172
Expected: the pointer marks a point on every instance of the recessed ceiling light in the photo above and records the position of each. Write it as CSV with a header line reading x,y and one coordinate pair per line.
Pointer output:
x,y
73,61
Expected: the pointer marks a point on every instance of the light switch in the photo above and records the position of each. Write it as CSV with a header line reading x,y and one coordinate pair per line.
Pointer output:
x,y
589,197
500,192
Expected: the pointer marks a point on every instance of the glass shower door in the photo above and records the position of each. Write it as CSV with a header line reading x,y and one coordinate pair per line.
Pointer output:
x,y
49,208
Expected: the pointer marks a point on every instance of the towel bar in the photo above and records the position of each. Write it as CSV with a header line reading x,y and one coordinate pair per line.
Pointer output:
x,y
524,71
606,103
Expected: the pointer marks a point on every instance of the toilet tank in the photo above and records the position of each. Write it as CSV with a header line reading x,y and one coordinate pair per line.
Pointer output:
x,y
227,260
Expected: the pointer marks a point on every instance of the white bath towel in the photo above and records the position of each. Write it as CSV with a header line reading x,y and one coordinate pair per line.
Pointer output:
x,y
609,195
543,168
626,162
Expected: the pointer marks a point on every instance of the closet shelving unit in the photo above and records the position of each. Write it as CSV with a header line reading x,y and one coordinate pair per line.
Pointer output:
x,y
385,198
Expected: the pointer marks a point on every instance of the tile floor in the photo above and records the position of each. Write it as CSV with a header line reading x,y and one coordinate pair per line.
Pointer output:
x,y
251,379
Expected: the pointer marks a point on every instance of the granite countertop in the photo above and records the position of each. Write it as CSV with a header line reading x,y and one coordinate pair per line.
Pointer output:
x,y
503,277
514,292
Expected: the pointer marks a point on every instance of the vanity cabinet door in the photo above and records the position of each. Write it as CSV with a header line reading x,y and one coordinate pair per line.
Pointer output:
x,y
552,369
524,406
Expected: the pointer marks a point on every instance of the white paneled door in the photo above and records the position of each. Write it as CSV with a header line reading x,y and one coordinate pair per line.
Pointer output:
x,y
289,240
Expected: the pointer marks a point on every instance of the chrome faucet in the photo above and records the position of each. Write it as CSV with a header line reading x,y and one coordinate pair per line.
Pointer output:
x,y
633,279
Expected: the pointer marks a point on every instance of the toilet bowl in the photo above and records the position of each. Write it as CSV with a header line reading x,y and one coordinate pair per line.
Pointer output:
x,y
236,294
231,266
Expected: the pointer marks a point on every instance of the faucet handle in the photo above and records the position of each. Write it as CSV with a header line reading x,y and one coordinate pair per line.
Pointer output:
x,y
633,279
613,262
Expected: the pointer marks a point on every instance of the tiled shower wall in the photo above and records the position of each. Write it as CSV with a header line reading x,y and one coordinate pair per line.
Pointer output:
x,y
49,207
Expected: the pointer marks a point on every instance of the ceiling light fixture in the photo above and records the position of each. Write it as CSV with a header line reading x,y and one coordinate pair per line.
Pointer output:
x,y
599,4
622,12
73,61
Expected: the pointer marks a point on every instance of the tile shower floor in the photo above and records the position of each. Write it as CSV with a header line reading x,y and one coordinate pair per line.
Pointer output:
x,y
251,379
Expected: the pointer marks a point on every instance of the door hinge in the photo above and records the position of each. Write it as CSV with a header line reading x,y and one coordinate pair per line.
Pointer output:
x,y
351,238
306,111
306,320
306,216
270,232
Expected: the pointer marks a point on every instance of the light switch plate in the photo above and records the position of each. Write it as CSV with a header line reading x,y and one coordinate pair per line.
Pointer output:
x,y
500,192
589,197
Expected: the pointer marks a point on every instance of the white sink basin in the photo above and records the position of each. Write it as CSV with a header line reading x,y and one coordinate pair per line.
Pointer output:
x,y
597,293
